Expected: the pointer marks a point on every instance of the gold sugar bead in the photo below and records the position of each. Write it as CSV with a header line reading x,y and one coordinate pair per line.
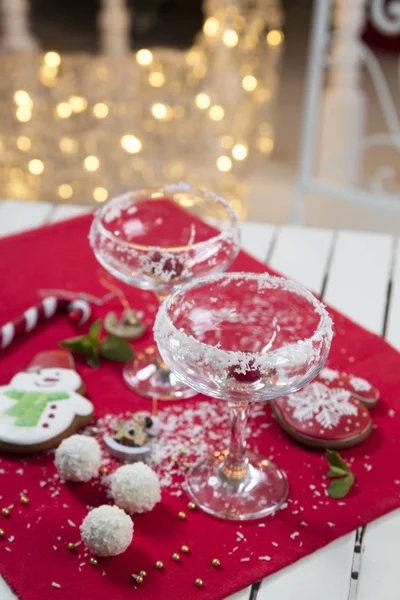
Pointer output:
x,y
94,562
199,582
216,562
94,430
71,546
104,470
142,573
24,500
187,464
5,512
1,533
176,557
182,451
193,441
174,459
185,549
191,506
182,515
159,564
137,578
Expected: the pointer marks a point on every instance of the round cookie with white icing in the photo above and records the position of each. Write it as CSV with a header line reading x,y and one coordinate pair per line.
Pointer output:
x,y
331,412
42,405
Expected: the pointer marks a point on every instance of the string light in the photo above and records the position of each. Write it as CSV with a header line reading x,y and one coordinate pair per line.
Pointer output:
x,y
239,152
63,110
77,103
159,111
91,163
144,57
68,145
36,166
216,113
100,194
23,114
224,163
211,26
65,191
249,83
22,98
100,110
156,79
265,144
274,37
131,144
203,101
24,143
52,59
230,38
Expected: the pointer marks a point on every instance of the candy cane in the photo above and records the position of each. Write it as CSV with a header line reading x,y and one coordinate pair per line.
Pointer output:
x,y
78,310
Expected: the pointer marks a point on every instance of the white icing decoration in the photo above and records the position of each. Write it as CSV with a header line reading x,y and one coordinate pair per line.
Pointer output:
x,y
7,334
46,380
324,404
329,374
360,385
31,317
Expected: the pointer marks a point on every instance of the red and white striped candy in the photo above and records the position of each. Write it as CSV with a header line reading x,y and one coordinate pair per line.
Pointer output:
x,y
78,310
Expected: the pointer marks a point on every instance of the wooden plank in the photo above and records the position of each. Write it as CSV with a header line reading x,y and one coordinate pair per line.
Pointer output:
x,y
393,322
16,216
380,561
66,211
324,574
257,239
242,595
359,277
303,254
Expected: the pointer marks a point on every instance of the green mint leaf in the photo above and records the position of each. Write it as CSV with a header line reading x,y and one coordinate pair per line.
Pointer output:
x,y
335,460
81,345
336,472
93,361
339,487
116,349
95,329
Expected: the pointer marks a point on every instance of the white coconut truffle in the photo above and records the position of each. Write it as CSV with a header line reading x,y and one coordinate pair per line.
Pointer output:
x,y
107,530
78,458
135,488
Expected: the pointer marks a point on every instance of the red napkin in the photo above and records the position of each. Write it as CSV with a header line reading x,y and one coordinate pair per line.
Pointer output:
x,y
33,554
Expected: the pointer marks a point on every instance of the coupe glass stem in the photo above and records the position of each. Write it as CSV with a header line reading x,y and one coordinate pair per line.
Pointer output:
x,y
235,468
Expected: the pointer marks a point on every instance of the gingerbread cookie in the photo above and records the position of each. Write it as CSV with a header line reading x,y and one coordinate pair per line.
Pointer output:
x,y
329,412
43,405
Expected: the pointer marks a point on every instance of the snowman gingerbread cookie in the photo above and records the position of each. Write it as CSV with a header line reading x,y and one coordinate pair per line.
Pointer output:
x,y
43,405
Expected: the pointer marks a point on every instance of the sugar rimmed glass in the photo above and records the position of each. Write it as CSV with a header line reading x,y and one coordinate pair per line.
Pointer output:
x,y
155,239
242,337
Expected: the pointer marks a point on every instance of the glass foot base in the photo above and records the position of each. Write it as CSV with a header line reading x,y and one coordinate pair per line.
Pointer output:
x,y
261,492
148,376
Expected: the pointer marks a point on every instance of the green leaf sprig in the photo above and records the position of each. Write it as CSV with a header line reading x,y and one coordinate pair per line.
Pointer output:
x,y
111,347
339,471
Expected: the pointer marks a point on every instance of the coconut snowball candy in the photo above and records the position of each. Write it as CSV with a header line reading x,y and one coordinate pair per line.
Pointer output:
x,y
107,530
135,488
78,458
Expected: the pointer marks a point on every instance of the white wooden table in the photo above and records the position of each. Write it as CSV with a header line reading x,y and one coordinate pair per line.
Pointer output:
x,y
359,274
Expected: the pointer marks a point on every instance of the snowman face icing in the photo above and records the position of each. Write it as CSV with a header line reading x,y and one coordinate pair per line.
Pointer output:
x,y
47,380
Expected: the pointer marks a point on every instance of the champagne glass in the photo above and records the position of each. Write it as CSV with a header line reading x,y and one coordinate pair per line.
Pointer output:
x,y
154,239
243,338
